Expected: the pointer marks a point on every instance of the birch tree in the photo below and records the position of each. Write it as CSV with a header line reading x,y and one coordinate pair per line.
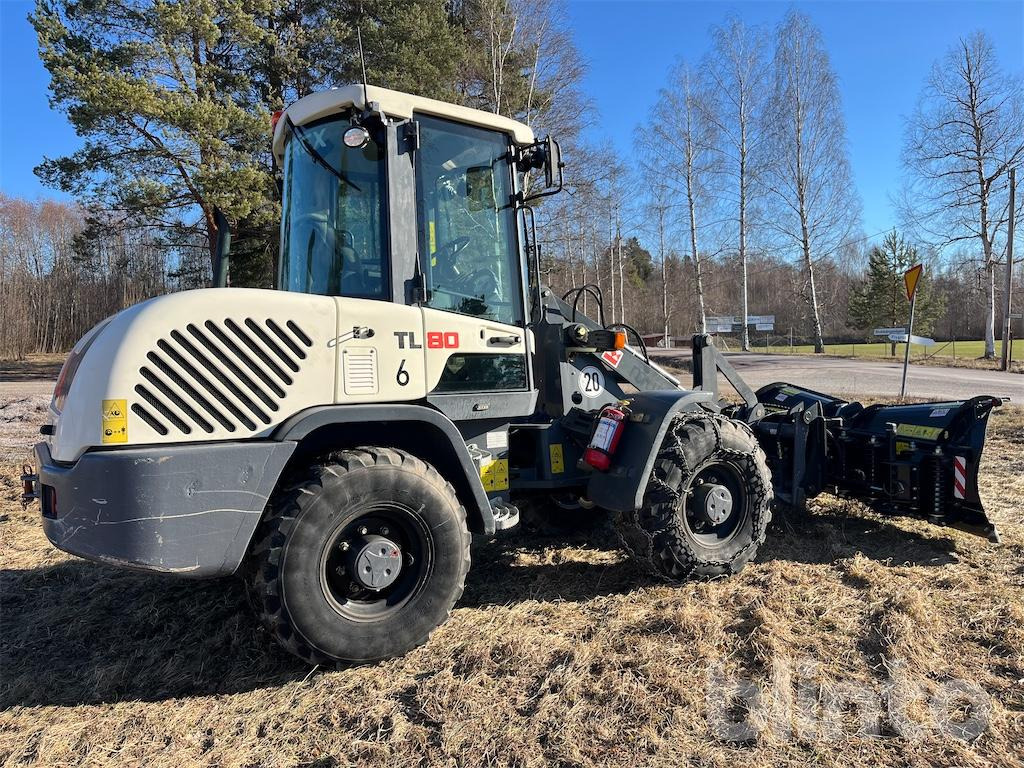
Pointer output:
x,y
964,136
737,74
808,174
680,151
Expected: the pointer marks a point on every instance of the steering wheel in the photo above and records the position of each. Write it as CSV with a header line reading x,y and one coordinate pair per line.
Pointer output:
x,y
455,246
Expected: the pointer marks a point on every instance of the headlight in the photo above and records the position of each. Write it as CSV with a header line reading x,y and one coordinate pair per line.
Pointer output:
x,y
70,367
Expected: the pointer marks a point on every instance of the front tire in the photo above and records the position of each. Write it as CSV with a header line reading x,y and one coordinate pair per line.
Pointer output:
x,y
708,502
361,559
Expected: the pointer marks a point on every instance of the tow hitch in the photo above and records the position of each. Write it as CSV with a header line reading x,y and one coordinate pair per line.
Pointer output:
x,y
29,485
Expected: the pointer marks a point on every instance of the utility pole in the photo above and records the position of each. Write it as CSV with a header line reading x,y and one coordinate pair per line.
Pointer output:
x,y
1007,305
622,282
664,272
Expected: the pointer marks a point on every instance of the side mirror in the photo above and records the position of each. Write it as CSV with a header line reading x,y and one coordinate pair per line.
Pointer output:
x,y
546,154
553,164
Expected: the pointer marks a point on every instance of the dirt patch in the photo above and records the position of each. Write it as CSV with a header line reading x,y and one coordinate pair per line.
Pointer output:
x,y
20,419
560,652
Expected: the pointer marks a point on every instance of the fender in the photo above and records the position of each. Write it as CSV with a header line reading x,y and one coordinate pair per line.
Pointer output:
x,y
621,488
434,435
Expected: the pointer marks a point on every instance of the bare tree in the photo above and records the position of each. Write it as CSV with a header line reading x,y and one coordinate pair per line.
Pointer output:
x,y
964,136
527,66
680,154
808,177
737,73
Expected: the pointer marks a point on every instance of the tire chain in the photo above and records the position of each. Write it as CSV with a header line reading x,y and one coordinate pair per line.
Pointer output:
x,y
649,532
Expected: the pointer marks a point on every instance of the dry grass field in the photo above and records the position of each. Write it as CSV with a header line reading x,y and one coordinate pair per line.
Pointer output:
x,y
561,652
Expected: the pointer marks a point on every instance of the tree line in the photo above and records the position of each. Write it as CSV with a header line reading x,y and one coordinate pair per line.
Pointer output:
x,y
737,199
743,195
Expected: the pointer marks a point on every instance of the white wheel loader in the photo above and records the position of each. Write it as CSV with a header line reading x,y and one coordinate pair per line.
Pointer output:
x,y
411,382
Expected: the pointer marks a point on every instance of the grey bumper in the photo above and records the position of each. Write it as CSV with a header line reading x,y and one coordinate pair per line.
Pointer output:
x,y
185,509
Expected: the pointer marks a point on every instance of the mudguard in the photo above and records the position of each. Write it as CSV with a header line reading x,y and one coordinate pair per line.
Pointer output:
x,y
424,431
622,487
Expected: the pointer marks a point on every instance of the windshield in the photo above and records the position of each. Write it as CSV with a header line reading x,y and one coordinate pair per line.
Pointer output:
x,y
333,237
467,223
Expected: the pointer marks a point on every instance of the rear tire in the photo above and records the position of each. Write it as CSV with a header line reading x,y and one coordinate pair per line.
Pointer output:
x,y
688,525
361,559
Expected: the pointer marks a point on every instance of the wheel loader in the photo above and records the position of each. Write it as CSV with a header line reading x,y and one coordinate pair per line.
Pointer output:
x,y
412,382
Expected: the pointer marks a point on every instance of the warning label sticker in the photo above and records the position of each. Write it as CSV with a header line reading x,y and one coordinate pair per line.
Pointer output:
x,y
918,431
114,424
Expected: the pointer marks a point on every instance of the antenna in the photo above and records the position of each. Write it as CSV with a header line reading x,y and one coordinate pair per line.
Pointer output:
x,y
362,62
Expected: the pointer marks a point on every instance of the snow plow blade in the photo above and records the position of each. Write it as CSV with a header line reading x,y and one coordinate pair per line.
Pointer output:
x,y
919,460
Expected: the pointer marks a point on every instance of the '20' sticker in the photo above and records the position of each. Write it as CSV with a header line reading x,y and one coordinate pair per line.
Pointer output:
x,y
591,381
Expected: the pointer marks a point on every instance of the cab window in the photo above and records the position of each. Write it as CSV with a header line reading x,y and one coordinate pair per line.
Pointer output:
x,y
333,234
467,222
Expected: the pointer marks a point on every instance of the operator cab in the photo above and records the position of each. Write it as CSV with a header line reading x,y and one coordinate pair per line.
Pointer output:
x,y
395,197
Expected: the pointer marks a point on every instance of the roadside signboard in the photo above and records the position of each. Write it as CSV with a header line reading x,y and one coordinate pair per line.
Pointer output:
x,y
1016,316
764,327
723,320
889,331
921,341
761,320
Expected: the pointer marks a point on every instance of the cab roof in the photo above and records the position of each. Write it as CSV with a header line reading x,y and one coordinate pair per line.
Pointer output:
x,y
392,104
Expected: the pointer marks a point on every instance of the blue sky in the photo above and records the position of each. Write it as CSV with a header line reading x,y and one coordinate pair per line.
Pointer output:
x,y
881,51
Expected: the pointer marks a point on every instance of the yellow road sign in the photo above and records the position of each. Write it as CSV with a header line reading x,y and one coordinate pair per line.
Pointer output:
x,y
911,278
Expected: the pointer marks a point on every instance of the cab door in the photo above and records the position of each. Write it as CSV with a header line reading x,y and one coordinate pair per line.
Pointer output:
x,y
474,330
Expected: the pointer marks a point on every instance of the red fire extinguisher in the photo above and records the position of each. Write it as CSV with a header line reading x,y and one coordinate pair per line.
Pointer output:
x,y
607,434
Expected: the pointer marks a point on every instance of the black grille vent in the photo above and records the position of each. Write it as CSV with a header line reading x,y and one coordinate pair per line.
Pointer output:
x,y
228,374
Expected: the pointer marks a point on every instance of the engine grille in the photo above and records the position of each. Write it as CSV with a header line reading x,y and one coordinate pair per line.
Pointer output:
x,y
219,375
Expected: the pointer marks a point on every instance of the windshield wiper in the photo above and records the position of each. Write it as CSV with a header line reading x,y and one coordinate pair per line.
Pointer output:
x,y
318,158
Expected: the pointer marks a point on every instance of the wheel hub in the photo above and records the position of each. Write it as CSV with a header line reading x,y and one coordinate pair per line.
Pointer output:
x,y
375,562
714,503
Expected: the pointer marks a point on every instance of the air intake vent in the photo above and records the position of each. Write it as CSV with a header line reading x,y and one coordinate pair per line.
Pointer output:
x,y
360,370
229,375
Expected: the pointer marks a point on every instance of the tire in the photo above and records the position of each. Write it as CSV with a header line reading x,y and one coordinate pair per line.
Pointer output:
x,y
670,534
375,508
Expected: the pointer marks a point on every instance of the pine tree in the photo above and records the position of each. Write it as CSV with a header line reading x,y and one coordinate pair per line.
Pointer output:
x,y
881,300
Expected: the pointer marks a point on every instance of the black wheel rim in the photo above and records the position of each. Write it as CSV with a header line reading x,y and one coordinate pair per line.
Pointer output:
x,y
394,523
699,528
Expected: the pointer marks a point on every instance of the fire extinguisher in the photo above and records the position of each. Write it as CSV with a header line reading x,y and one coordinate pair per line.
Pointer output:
x,y
607,433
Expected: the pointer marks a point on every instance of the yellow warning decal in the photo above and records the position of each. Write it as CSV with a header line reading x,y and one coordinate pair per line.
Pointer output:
x,y
915,430
557,459
433,239
115,421
902,446
494,475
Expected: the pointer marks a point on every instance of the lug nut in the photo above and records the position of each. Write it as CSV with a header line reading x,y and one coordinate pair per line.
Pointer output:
x,y
344,546
384,531
362,530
